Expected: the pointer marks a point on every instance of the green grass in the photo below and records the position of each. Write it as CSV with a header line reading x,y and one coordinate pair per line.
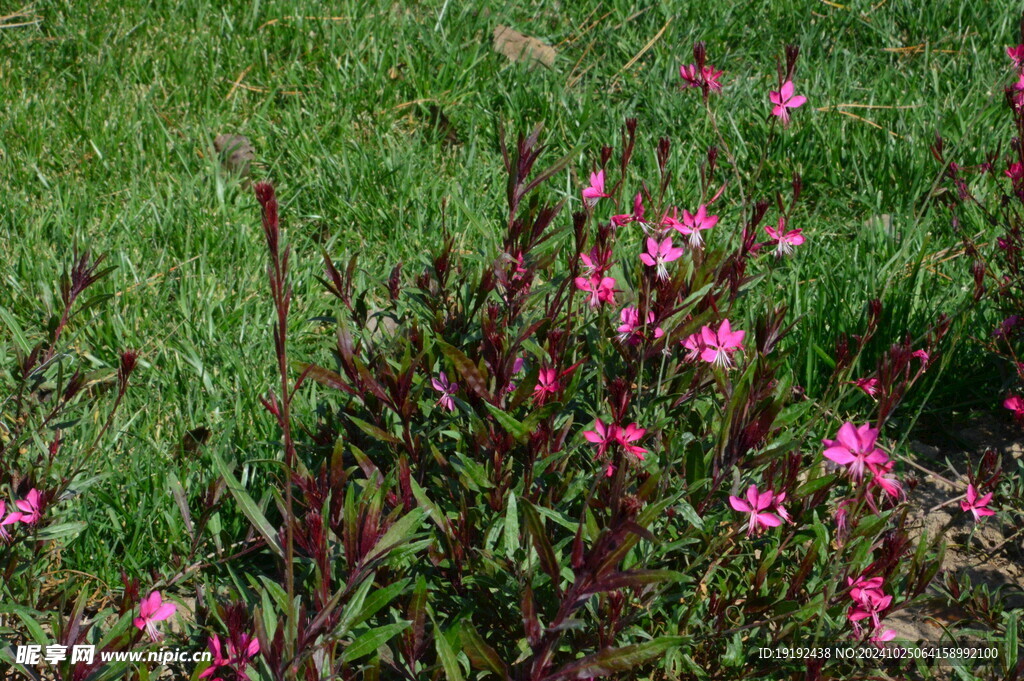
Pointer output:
x,y
109,112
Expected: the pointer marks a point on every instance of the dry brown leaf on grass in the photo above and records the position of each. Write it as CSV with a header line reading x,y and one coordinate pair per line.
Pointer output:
x,y
519,47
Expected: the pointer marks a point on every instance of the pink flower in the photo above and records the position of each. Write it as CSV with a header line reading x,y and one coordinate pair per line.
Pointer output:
x,y
628,435
978,506
30,507
596,262
871,386
1016,405
12,518
547,385
446,389
1015,172
716,347
923,356
884,479
694,223
784,100
704,77
658,254
596,189
755,505
631,331
603,435
671,221
636,216
152,609
236,657
779,508
883,637
865,591
786,240
1016,55
517,367
601,289
855,447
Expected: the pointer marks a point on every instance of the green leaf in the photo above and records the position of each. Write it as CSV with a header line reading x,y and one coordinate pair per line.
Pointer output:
x,y
15,329
61,531
397,534
373,431
511,533
621,580
614,660
378,599
690,514
543,544
248,506
1011,643
812,486
481,655
368,643
516,429
446,655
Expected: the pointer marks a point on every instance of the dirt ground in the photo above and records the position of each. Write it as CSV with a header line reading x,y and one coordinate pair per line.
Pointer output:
x,y
995,554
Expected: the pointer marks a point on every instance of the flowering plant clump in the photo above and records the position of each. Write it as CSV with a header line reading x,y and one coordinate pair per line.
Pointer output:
x,y
581,458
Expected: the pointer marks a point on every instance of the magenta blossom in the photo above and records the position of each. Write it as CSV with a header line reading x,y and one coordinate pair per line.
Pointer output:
x,y
596,189
703,77
671,221
447,390
716,347
870,386
636,216
627,436
152,609
659,254
631,331
1016,55
1015,171
695,223
779,509
31,507
1016,405
10,519
597,262
756,505
601,289
884,479
603,435
234,657
978,506
855,447
863,590
547,385
784,100
785,240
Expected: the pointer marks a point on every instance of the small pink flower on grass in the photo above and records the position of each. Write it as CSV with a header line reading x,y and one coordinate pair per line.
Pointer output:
x,y
785,240
153,610
596,189
695,223
547,385
883,637
517,367
779,509
631,331
636,216
978,506
855,448
756,505
447,390
232,656
1016,55
701,77
30,507
1016,405
601,289
716,347
784,100
659,254
597,262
